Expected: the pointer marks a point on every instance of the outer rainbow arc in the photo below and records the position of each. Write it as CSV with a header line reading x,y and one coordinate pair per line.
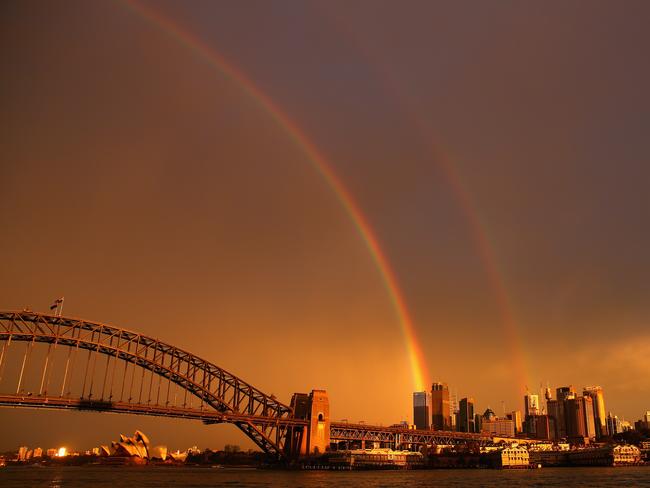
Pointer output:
x,y
486,254
419,373
485,250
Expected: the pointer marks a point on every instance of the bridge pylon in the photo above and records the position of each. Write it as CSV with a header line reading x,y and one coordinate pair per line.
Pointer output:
x,y
314,438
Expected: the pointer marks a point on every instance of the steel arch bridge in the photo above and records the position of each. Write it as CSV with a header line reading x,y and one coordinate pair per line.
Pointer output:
x,y
91,366
222,396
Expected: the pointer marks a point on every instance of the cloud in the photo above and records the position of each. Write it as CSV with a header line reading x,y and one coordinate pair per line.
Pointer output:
x,y
624,363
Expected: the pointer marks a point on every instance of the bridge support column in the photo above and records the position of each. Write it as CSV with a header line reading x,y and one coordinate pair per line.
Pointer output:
x,y
314,407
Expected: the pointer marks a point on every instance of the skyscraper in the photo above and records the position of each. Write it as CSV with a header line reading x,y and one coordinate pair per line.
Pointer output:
x,y
466,415
565,393
600,416
643,423
613,424
544,428
556,409
579,417
453,406
531,405
422,409
531,410
515,416
478,422
590,421
548,395
440,407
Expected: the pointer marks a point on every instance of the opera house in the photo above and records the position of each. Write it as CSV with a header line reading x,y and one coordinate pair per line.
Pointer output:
x,y
132,450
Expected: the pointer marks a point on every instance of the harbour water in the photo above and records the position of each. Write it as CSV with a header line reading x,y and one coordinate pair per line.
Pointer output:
x,y
147,476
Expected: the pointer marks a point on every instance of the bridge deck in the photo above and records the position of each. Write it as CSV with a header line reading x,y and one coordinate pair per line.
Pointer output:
x,y
340,431
206,415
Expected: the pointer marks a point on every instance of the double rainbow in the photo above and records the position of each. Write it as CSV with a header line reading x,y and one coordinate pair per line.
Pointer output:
x,y
418,368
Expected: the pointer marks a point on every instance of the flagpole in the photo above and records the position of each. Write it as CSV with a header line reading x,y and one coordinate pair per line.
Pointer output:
x,y
61,307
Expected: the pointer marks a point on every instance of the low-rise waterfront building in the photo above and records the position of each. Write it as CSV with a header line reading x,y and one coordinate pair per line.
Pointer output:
x,y
22,453
550,458
375,458
510,457
611,455
644,447
549,454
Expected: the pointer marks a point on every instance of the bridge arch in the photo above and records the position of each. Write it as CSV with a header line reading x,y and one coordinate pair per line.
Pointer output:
x,y
268,422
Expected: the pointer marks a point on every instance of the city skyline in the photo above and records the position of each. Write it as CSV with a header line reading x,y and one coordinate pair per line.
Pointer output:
x,y
563,415
405,191
505,425
562,426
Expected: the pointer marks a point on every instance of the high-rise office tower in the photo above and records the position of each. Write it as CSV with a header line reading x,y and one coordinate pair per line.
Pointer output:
x,y
600,416
590,420
478,422
579,418
643,423
531,410
531,404
515,416
544,428
440,407
614,424
466,415
422,409
547,394
565,393
453,407
555,411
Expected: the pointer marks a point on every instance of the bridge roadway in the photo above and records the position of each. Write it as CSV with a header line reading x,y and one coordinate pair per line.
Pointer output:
x,y
207,416
339,431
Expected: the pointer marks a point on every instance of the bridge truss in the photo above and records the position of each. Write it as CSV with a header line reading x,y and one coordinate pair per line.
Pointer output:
x,y
399,437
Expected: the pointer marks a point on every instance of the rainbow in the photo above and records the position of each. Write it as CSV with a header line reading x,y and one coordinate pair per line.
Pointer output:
x,y
420,377
495,279
484,248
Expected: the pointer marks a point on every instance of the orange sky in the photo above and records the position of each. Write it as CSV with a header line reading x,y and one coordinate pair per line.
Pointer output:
x,y
157,194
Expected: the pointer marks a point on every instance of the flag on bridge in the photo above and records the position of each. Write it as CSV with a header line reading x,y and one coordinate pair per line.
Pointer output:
x,y
58,302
